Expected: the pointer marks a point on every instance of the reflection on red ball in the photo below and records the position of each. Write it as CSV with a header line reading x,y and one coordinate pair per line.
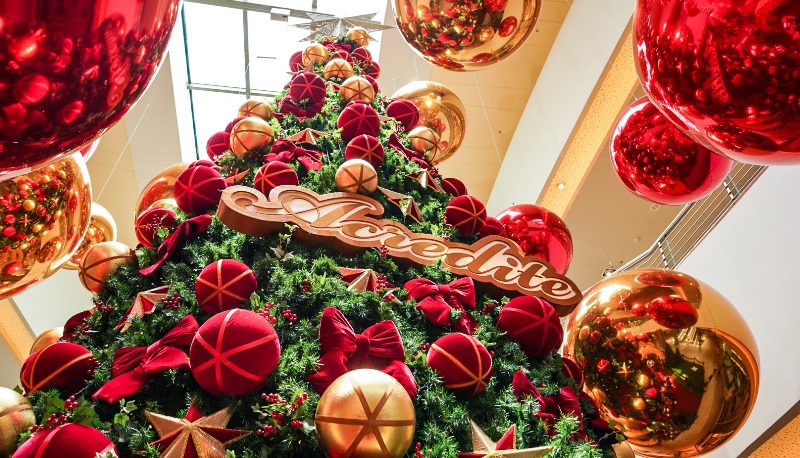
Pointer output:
x,y
658,162
539,232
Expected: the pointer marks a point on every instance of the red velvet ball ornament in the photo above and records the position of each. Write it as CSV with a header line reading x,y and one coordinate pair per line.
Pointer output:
x,y
341,54
296,61
307,88
463,362
365,147
72,440
362,56
357,119
150,221
374,70
198,189
467,214
452,186
273,174
223,285
405,112
539,232
63,365
229,127
533,323
658,162
492,227
234,352
372,81
217,144
572,370
673,312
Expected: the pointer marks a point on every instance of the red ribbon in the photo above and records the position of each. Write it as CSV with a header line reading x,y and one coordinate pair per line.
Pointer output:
x,y
288,106
331,45
436,301
133,367
378,347
550,407
285,151
185,231
394,142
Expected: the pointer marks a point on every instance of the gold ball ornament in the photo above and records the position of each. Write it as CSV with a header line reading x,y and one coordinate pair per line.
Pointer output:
x,y
423,139
43,219
47,338
357,176
159,190
461,36
337,68
250,135
101,261
623,450
365,413
258,107
695,360
314,52
102,228
357,88
16,416
359,35
440,109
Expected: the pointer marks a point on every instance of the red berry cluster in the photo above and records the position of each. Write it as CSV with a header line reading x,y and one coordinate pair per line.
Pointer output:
x,y
389,297
54,420
267,313
288,315
100,305
306,285
280,413
488,307
423,348
418,451
71,404
384,251
172,302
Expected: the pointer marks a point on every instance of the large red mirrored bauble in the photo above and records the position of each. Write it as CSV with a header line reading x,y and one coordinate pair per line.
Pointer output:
x,y
658,162
725,71
539,232
71,69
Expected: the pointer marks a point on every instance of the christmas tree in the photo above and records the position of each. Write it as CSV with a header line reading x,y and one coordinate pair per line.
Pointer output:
x,y
239,311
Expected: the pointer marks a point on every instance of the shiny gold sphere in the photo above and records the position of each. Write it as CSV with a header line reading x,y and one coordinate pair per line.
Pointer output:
x,y
357,88
460,37
684,378
366,413
623,450
440,109
359,35
357,176
159,189
256,106
102,228
250,135
337,68
36,239
423,139
16,416
101,261
314,52
47,338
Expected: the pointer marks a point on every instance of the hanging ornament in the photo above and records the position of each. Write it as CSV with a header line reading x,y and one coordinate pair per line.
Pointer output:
x,y
358,118
158,192
16,416
365,413
424,140
725,73
406,204
405,112
439,109
482,446
357,88
198,189
250,135
463,362
150,221
454,187
63,365
658,162
363,280
46,339
328,25
365,147
307,88
258,107
194,435
539,232
307,136
357,176
337,68
144,304
314,52
467,214
665,408
101,261
72,440
273,174
533,323
102,228
223,285
426,179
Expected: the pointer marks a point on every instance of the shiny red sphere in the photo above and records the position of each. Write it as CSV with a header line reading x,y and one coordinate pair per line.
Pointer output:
x,y
658,162
539,232
727,72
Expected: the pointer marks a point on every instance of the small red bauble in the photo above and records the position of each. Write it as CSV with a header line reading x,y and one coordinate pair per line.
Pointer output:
x,y
673,312
463,362
223,285
234,352
362,56
539,232
230,125
31,89
63,365
533,323
467,214
307,88
198,189
492,227
374,70
452,186
217,144
365,147
572,370
296,61
405,112
356,119
372,81
494,6
150,221
273,174
342,54
71,440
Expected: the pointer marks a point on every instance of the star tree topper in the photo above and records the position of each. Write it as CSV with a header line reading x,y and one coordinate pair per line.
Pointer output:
x,y
195,436
327,25
484,447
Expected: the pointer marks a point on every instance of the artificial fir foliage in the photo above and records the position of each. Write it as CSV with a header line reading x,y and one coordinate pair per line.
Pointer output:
x,y
296,281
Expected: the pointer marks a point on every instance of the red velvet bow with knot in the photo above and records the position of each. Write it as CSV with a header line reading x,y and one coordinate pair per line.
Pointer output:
x,y
133,367
185,231
397,145
288,106
331,46
378,347
550,407
436,301
285,151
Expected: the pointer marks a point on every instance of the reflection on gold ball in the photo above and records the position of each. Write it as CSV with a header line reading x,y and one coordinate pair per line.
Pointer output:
x,y
16,416
423,139
357,176
314,53
102,228
47,338
159,189
693,356
365,413
623,450
357,88
101,261
337,68
256,106
359,35
250,135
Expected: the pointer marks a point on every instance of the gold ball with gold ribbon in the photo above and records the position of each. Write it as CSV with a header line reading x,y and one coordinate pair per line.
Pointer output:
x,y
16,416
101,261
439,109
102,228
365,413
43,218
314,52
461,35
423,139
683,376
337,68
159,190
47,338
256,106
250,135
359,35
357,88
356,176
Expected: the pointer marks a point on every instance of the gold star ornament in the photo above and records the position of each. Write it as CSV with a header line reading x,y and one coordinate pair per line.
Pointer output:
x,y
482,446
144,304
405,203
196,435
307,136
425,179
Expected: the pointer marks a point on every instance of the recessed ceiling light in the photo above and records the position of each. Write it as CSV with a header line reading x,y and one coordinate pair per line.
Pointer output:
x,y
561,185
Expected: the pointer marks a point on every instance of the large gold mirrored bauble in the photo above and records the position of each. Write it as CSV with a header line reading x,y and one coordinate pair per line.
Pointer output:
x,y
464,35
441,110
102,228
16,416
44,215
159,189
667,358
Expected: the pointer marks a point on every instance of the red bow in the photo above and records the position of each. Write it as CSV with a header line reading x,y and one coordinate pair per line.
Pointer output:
x,y
133,367
185,231
285,151
394,142
378,347
331,45
550,407
288,106
436,301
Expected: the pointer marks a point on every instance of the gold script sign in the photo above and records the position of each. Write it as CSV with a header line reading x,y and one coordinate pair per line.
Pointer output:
x,y
348,221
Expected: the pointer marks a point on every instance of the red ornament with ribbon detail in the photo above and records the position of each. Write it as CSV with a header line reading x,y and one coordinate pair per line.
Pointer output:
x,y
467,214
218,144
185,231
453,186
492,227
539,232
551,407
307,88
198,189
436,301
362,56
365,147
285,151
134,367
533,323
379,347
223,285
405,112
358,118
296,61
374,70
150,221
63,365
463,362
71,440
234,353
274,174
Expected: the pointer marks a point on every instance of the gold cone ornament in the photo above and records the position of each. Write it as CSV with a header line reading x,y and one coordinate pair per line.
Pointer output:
x,y
425,179
484,447
144,304
406,204
307,136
